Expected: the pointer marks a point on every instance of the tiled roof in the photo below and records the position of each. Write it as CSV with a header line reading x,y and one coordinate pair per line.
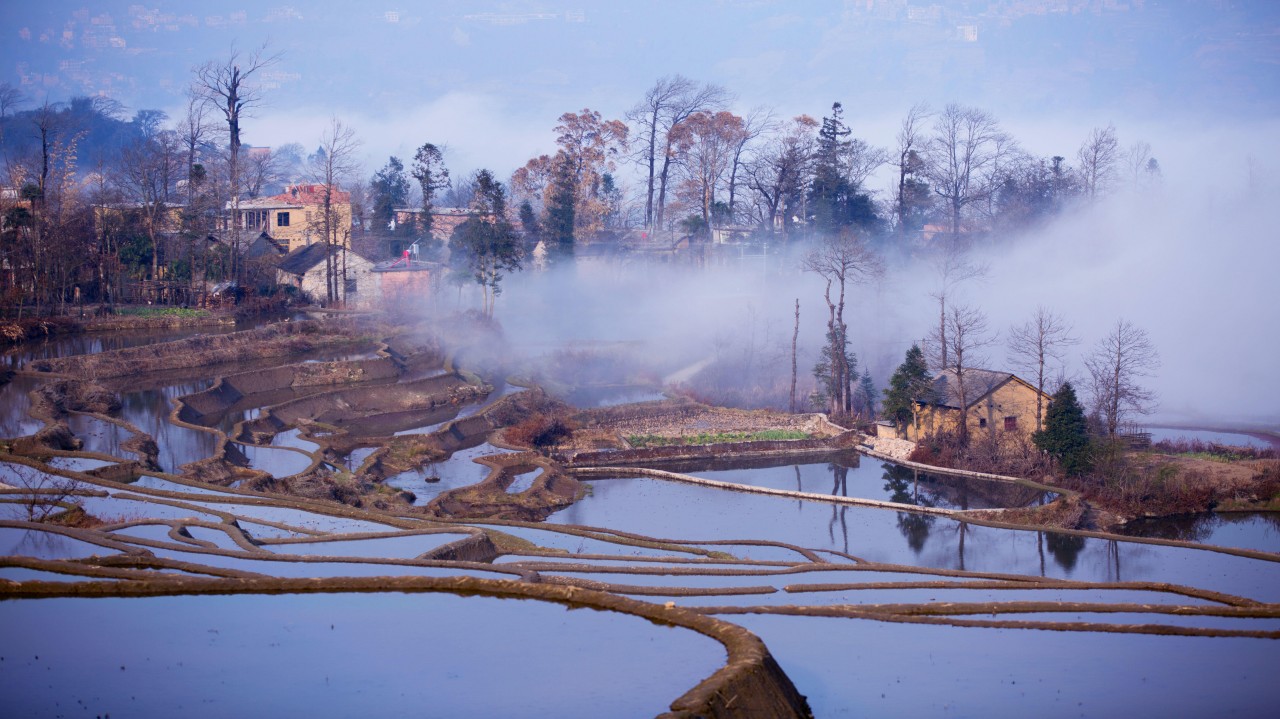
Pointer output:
x,y
978,384
298,196
303,259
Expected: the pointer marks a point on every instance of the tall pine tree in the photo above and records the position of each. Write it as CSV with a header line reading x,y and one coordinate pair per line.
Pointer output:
x,y
432,177
828,183
390,189
558,225
835,201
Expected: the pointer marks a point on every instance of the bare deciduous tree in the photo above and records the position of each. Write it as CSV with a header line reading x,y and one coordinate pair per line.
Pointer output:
x,y
10,98
860,160
1143,168
590,143
262,169
779,172
1034,343
665,105
795,339
1116,365
964,158
196,135
1098,157
336,164
909,161
757,123
952,266
45,495
841,259
707,143
150,171
228,85
967,334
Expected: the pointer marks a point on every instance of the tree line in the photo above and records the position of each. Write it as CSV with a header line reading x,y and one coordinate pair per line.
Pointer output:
x,y
677,164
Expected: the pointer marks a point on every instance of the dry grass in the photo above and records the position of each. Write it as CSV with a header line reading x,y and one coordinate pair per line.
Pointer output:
x,y
1136,484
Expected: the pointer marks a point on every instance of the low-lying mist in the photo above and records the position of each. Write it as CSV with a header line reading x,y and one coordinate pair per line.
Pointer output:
x,y
1192,261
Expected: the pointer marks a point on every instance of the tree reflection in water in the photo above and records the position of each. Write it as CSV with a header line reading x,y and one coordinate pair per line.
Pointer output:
x,y
1065,548
903,486
840,488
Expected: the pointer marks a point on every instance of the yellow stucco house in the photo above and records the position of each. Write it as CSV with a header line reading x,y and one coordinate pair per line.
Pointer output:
x,y
993,402
295,217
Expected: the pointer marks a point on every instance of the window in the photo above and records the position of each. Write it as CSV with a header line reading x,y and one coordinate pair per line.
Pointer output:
x,y
282,219
1010,424
982,422
349,286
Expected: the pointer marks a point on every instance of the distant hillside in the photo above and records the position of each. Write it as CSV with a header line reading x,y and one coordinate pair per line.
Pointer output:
x,y
103,136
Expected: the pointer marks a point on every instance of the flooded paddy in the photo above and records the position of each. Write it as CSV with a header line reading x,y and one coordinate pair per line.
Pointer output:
x,y
101,436
45,545
148,410
15,401
276,461
678,510
911,670
343,655
1246,530
94,342
854,475
460,470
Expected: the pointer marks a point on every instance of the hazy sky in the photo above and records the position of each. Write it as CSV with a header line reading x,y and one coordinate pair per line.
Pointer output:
x,y
489,78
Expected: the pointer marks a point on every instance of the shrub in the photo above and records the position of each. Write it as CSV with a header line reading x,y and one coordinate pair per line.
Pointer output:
x,y
541,431
1007,453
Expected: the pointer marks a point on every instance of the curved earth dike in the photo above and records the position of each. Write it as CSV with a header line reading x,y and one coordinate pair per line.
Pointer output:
x,y
489,498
